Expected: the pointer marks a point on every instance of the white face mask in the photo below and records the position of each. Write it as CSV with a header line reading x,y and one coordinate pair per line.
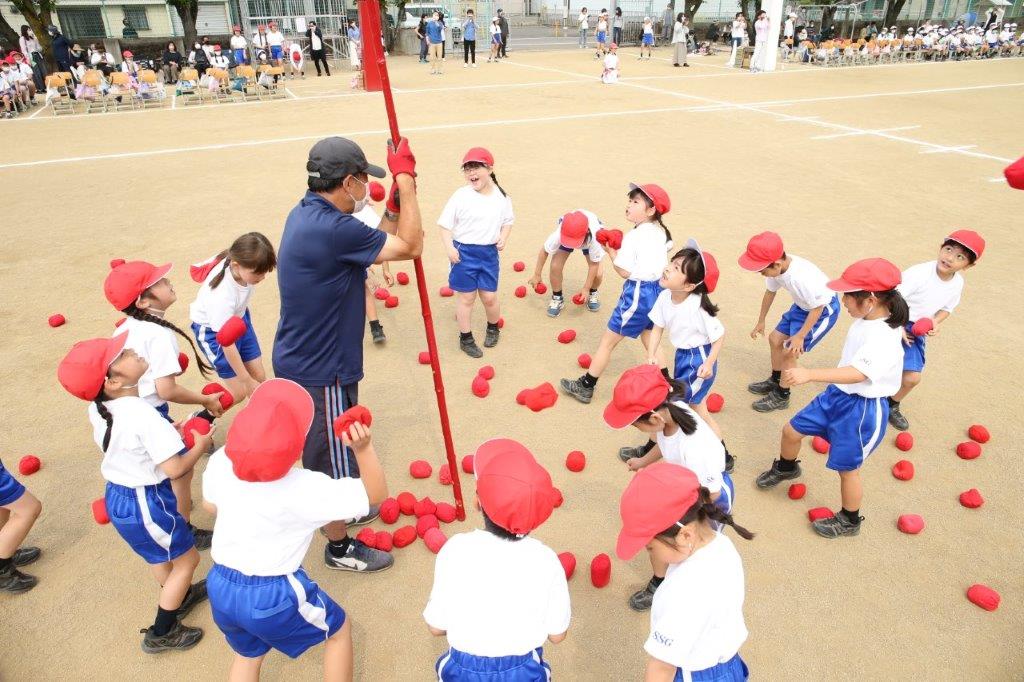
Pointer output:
x,y
360,203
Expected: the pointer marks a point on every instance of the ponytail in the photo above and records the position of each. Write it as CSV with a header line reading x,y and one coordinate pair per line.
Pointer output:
x,y
494,179
139,314
693,269
226,257
657,217
106,416
899,310
703,510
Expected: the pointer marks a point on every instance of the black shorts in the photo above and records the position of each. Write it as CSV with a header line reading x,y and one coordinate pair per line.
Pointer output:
x,y
324,452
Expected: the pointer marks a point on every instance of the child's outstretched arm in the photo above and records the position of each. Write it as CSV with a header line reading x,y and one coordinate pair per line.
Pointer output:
x,y
538,269
592,271
766,304
829,375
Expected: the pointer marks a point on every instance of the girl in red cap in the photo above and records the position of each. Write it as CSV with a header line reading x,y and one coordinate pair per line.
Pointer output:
x,y
851,413
142,452
697,625
475,226
576,230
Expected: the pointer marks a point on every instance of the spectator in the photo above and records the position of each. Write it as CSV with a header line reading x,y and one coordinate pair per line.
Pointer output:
x,y
207,48
21,74
739,32
584,25
129,66
260,42
276,41
761,26
421,33
789,29
503,25
680,40
61,49
601,34
829,33
435,39
667,23
77,54
316,48
469,39
171,61
220,60
239,45
128,32
198,59
617,23
31,48
8,90
444,36
495,40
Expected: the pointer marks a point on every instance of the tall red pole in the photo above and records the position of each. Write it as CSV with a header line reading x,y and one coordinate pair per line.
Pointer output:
x,y
376,78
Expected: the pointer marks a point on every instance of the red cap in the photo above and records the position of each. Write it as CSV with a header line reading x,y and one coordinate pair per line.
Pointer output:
x,y
639,390
574,228
870,274
128,281
514,490
658,196
658,496
84,369
762,250
478,155
970,240
1015,174
268,435
127,54
711,271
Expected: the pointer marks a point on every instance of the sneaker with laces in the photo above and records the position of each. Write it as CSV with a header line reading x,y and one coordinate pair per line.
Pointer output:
x,y
772,401
555,306
642,599
13,580
593,302
202,537
576,389
836,526
469,347
763,387
491,337
377,332
25,556
178,637
896,418
359,559
196,594
775,475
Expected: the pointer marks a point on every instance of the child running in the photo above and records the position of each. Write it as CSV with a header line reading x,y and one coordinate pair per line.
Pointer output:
x,y
499,595
576,230
851,413
142,451
932,291
814,312
19,510
475,226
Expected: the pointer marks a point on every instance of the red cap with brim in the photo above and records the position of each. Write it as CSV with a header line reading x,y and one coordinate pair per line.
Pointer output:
x,y
638,391
268,435
128,281
513,488
658,197
84,369
478,155
970,240
870,274
762,250
658,496
711,271
573,229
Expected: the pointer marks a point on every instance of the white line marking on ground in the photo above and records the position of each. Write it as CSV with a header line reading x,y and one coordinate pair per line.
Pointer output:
x,y
938,149
997,179
36,113
863,132
291,94
174,98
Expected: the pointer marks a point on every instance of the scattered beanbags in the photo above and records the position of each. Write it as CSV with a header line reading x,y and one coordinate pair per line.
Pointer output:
x,y
391,302
226,399
435,539
420,469
56,320
819,513
424,507
579,299
575,461
797,491
356,413
445,512
968,450
715,402
389,510
568,561
383,541
425,523
407,503
487,372
820,445
520,292
971,499
182,361
539,397
911,524
922,326
99,511
601,570
402,278
584,359
447,292
406,535
567,336
194,424
381,294
28,465
541,288
519,266
232,330
978,433
368,537
424,357
903,470
480,387
444,475
983,596
467,464
904,441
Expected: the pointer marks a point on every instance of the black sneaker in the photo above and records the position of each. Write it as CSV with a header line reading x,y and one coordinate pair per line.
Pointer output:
x,y
576,389
491,337
196,594
730,463
642,600
772,401
469,347
13,580
775,475
25,556
370,517
359,558
627,453
836,526
378,334
202,537
896,418
179,637
763,387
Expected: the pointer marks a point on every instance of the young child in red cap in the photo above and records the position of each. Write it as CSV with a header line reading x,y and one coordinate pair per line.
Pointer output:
x,y
142,291
267,512
576,230
814,312
142,452
640,261
851,413
644,398
499,595
932,291
19,510
697,625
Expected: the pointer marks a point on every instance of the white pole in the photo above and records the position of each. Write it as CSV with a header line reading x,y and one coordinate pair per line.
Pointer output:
x,y
774,10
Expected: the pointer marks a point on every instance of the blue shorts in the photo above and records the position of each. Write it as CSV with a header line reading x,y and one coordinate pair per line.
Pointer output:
x,y
147,518
648,39
496,38
688,360
477,268
793,321
289,613
276,52
631,314
732,670
602,36
456,666
241,57
10,489
913,355
852,424
248,346
165,411
728,496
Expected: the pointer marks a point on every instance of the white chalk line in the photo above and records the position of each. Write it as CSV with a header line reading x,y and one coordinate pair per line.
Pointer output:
x,y
864,132
947,150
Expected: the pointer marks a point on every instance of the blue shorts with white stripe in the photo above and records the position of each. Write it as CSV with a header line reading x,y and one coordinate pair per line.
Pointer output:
x,y
631,315
458,666
688,361
793,321
147,518
852,424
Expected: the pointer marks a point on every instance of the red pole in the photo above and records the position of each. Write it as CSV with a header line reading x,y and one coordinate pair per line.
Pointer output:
x,y
369,13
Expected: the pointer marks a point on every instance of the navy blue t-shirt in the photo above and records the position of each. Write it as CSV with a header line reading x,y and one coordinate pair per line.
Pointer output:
x,y
321,273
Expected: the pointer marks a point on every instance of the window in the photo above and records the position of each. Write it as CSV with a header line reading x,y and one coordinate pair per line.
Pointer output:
x,y
81,22
136,16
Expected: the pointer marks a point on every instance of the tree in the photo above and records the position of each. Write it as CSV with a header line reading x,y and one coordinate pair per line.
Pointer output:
x,y
39,15
892,11
690,8
8,36
187,11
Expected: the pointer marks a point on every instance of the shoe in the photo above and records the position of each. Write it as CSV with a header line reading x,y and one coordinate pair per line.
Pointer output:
x,y
593,302
730,463
763,387
202,537
555,306
196,595
576,389
359,558
491,337
775,475
836,526
772,401
13,580
675,65
896,418
179,637
25,556
370,517
378,334
686,65
474,65
642,600
465,65
469,347
628,453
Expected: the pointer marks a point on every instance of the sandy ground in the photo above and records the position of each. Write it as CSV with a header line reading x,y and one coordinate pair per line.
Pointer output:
x,y
788,151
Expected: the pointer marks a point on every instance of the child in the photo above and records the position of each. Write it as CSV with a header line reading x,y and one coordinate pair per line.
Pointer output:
x,y
601,33
814,312
576,230
640,261
239,46
644,398
610,74
141,450
495,40
368,216
476,223
19,510
851,413
932,290
267,511
499,595
647,42
697,623
229,279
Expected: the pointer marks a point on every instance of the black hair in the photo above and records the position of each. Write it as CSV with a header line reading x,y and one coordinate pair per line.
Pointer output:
x,y
497,531
971,256
323,184
657,214
24,31
251,250
702,510
681,416
137,313
693,268
494,178
105,415
899,311
679,17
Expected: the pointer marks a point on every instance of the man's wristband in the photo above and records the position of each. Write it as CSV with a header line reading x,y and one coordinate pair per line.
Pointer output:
x,y
390,215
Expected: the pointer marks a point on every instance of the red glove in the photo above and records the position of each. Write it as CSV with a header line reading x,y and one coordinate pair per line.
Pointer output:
x,y
401,159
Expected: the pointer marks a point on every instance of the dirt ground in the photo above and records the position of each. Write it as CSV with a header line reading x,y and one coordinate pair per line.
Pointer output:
x,y
801,151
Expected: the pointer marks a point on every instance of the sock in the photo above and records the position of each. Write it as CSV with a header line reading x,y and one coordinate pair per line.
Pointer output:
x,y
784,392
6,563
593,291
588,380
556,294
776,376
893,403
165,620
374,324
492,326
656,581
465,336
851,516
339,548
787,464
184,599
647,447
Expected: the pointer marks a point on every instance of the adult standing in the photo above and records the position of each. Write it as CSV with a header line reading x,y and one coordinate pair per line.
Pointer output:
x,y
171,63
316,48
617,22
421,33
61,49
789,29
680,40
503,25
355,46
31,48
761,26
321,274
469,39
435,40
583,20
667,23
739,32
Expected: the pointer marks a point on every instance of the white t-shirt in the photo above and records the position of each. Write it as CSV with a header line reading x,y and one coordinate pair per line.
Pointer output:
x,y
584,21
926,293
158,346
644,252
787,31
213,307
275,38
738,29
265,528
495,29
876,350
476,218
701,452
315,43
688,325
697,614
368,217
140,440
220,60
611,69
595,252
496,597
805,282
238,42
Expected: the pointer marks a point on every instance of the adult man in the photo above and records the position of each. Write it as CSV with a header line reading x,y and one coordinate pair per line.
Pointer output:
x,y
316,48
503,25
668,22
321,273
61,49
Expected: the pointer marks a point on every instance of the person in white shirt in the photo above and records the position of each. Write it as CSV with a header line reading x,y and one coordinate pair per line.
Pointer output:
x,y
275,39
21,74
851,413
697,625
583,23
220,59
739,33
260,43
239,46
499,595
495,29
610,70
267,512
576,230
141,453
601,34
680,40
8,90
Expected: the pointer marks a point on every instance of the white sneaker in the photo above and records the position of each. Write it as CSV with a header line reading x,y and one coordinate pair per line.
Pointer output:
x,y
555,306
474,65
465,65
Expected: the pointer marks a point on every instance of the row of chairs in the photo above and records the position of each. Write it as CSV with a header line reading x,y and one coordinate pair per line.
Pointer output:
x,y
220,86
869,52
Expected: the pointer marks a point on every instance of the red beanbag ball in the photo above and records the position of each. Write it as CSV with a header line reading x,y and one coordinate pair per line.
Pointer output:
x,y
567,336
568,561
519,266
424,357
978,433
182,361
487,372
797,491
232,330
226,399
521,396
345,420
715,402
584,359
480,387
381,294
971,499
983,596
820,513
424,507
575,461
820,445
447,292
601,570
56,320
406,535
368,537
435,539
903,470
383,541
194,424
28,465
541,288
501,323
391,302
467,464
922,326
444,475
420,469
538,398
377,191
911,524
904,441
402,278
579,299
520,292
99,511
407,503
968,450
389,510
558,498
116,263
445,512
425,523
602,236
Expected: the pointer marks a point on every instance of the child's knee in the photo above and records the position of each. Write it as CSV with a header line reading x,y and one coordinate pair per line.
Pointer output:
x,y
31,507
188,561
911,379
789,433
776,339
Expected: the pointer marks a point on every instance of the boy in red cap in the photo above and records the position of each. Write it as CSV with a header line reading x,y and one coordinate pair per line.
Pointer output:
x,y
142,452
851,413
267,511
932,290
814,312
697,625
499,595
19,510
576,230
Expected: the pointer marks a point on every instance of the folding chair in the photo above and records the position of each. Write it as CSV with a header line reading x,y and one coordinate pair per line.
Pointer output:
x,y
188,87
250,89
272,89
152,93
94,79
124,96
62,103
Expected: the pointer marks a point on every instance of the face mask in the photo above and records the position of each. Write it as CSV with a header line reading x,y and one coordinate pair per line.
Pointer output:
x,y
360,203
